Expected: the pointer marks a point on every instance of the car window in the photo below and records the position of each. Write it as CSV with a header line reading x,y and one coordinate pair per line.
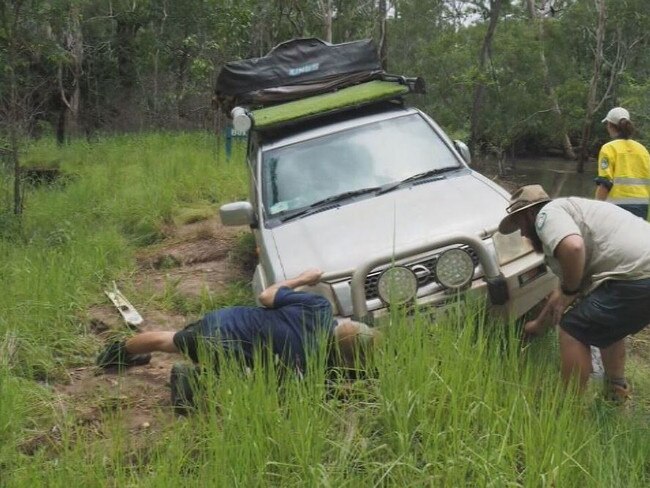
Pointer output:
x,y
371,155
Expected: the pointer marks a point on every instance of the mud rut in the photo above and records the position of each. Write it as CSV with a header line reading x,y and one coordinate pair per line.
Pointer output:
x,y
193,257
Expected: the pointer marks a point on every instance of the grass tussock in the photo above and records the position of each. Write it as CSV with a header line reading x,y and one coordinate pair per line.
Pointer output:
x,y
451,402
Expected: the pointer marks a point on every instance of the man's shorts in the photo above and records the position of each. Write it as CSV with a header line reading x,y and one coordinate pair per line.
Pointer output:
x,y
200,338
610,313
186,340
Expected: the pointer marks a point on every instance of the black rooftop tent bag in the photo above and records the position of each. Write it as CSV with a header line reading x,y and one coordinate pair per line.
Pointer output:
x,y
296,69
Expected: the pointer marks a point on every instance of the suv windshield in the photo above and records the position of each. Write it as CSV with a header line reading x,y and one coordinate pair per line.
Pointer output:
x,y
369,156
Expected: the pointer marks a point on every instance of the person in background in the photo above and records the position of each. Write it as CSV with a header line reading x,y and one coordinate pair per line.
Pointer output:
x,y
623,166
601,254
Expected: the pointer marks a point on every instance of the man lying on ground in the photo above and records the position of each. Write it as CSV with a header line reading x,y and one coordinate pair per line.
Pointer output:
x,y
290,323
601,253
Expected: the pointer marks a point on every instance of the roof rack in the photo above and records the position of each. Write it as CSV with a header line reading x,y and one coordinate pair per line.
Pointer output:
x,y
390,87
299,69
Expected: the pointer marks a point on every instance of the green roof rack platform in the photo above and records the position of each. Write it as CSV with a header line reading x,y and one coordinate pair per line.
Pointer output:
x,y
345,98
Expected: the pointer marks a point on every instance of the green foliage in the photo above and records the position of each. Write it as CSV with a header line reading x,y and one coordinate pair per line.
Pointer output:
x,y
153,63
446,403
194,213
517,113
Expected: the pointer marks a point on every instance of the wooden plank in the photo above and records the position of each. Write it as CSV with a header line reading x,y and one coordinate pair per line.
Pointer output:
x,y
128,311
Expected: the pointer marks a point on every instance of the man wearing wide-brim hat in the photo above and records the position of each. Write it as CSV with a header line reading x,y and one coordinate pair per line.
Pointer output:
x,y
601,254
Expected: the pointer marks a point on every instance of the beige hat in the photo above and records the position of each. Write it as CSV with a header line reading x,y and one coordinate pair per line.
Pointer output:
x,y
526,197
617,114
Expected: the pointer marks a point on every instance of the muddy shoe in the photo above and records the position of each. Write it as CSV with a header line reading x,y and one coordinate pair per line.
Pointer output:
x,y
183,381
116,356
618,394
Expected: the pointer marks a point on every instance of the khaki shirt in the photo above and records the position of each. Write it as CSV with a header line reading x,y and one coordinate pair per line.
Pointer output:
x,y
617,243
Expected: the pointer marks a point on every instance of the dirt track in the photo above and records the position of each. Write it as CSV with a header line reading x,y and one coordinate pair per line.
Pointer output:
x,y
193,257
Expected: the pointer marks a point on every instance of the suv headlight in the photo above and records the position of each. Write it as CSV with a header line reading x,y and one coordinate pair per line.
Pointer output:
x,y
510,247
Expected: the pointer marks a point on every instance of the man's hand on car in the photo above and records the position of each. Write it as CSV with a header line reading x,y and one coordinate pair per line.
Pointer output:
x,y
534,328
311,276
556,304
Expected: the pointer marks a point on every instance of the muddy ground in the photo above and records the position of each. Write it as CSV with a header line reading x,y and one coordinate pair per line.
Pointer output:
x,y
195,257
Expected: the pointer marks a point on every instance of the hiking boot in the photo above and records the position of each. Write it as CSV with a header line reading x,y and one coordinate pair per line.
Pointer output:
x,y
183,380
116,355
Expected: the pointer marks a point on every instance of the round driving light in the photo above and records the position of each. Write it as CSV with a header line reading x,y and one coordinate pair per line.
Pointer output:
x,y
397,285
455,268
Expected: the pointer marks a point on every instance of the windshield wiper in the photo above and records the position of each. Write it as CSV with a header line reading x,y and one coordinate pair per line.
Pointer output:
x,y
420,176
326,201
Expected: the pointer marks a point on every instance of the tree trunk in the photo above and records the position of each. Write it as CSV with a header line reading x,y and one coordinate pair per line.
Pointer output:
x,y
479,88
156,61
593,85
73,41
548,87
180,89
327,20
383,35
16,118
60,127
126,30
14,142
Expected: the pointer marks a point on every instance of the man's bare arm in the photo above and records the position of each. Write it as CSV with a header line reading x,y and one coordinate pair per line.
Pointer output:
x,y
570,253
540,323
309,277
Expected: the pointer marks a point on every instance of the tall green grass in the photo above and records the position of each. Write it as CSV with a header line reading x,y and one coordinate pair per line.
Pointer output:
x,y
77,237
449,405
455,402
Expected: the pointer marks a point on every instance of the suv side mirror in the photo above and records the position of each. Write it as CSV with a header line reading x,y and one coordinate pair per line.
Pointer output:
x,y
237,213
462,148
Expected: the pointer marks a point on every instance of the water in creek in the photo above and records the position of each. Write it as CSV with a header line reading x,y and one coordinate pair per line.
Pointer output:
x,y
557,176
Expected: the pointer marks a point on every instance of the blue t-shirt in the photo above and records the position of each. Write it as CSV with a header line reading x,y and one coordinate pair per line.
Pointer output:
x,y
292,327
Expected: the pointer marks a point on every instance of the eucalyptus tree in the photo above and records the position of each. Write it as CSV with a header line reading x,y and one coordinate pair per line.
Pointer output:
x,y
24,78
540,11
354,19
608,36
492,12
326,13
66,33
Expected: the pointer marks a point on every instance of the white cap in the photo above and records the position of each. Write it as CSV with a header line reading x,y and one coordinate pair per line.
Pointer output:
x,y
617,114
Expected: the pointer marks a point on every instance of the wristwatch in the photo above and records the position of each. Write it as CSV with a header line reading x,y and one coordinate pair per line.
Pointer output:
x,y
568,292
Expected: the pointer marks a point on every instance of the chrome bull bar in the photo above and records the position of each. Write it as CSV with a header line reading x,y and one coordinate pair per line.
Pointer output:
x,y
496,283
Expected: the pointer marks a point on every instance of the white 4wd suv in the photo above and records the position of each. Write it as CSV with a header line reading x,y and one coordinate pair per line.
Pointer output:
x,y
383,202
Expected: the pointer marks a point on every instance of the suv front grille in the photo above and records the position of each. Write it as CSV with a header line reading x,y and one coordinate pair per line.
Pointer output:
x,y
424,269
